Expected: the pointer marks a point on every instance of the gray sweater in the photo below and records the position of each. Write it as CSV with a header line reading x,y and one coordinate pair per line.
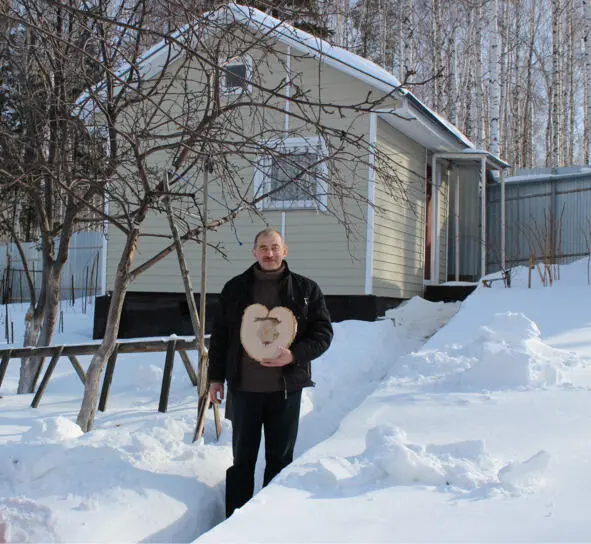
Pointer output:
x,y
255,377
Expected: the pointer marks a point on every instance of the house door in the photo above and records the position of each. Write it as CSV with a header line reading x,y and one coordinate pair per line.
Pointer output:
x,y
428,221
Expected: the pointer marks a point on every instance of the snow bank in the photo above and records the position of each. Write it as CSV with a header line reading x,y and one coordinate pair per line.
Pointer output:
x,y
507,353
391,459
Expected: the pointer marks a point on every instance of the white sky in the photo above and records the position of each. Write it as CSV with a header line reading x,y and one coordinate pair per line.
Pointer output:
x,y
476,433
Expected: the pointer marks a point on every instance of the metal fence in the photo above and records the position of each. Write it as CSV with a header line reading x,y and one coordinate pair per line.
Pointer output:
x,y
81,276
548,217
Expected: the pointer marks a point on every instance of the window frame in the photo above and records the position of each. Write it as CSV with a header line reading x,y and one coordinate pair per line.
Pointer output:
x,y
262,176
244,60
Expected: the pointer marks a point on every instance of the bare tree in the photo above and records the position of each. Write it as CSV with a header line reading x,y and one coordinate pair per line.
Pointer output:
x,y
195,106
52,162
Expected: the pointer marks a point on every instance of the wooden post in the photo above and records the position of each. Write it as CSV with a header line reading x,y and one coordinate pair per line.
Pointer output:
x,y
198,324
202,407
217,420
4,365
529,268
189,367
167,376
108,379
78,368
45,380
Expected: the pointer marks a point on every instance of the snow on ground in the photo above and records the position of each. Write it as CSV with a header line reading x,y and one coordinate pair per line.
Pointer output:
x,y
473,431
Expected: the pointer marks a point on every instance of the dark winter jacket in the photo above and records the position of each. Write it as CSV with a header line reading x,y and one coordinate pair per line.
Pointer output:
x,y
314,331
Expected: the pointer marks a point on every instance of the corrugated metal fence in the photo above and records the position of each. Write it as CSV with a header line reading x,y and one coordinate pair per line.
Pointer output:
x,y
81,276
548,215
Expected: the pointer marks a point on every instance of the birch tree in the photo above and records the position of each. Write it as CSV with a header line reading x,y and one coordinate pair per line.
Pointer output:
x,y
436,85
587,79
493,76
555,98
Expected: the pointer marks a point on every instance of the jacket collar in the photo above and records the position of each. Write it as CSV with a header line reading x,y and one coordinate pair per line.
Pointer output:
x,y
248,274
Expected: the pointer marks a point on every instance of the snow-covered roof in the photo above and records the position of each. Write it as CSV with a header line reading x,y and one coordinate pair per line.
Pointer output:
x,y
539,175
156,58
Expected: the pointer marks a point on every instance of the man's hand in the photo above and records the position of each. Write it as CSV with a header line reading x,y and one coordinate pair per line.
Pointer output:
x,y
285,357
216,392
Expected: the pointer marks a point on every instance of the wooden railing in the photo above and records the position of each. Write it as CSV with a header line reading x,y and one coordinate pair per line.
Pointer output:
x,y
72,351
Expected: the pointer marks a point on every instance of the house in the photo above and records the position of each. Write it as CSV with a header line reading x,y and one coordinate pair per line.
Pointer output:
x,y
398,245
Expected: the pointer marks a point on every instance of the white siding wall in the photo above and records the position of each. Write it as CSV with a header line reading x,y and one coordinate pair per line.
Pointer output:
x,y
399,240
318,246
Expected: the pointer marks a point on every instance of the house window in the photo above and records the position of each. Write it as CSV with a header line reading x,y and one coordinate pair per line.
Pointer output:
x,y
236,75
297,171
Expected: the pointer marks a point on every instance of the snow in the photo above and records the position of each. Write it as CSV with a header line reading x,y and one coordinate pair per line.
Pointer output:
x,y
570,173
441,422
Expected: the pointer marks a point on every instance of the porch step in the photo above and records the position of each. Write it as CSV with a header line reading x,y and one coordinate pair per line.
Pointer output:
x,y
448,293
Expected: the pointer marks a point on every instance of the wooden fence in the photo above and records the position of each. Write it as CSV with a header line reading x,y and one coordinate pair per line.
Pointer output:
x,y
71,352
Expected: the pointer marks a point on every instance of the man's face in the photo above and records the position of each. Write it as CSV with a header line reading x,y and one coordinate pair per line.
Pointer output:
x,y
270,251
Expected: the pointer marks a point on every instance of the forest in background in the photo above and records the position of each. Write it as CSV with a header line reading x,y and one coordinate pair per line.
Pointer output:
x,y
513,75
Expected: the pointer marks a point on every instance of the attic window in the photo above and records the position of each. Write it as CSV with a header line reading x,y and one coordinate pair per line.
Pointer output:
x,y
236,75
297,171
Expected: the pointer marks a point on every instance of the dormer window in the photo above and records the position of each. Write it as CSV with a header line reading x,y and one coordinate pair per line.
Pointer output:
x,y
236,75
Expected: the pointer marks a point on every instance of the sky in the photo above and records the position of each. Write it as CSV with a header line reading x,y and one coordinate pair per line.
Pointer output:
x,y
460,422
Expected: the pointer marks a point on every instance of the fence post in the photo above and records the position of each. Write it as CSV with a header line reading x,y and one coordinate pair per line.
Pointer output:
x,y
45,380
108,379
4,365
189,367
167,376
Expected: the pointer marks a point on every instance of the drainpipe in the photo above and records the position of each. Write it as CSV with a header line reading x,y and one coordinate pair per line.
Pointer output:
x,y
286,116
503,223
483,217
287,91
457,226
434,221
104,248
369,237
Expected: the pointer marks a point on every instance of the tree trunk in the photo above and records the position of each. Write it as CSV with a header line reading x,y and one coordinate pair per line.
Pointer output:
x,y
555,140
28,370
40,327
493,70
452,81
436,54
571,89
407,37
516,99
528,145
478,99
91,387
587,78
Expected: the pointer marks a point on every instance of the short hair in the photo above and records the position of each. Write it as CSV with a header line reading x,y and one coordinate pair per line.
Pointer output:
x,y
266,232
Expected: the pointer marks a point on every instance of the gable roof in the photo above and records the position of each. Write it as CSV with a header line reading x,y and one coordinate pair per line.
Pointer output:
x,y
155,59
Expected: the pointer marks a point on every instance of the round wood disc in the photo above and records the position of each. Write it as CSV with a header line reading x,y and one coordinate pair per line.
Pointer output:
x,y
263,330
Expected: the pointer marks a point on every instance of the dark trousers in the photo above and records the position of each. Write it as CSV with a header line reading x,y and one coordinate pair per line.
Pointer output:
x,y
279,416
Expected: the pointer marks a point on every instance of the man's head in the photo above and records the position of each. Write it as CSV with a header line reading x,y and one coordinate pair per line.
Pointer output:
x,y
269,249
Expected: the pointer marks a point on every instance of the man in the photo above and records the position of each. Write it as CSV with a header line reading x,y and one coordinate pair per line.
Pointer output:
x,y
267,394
